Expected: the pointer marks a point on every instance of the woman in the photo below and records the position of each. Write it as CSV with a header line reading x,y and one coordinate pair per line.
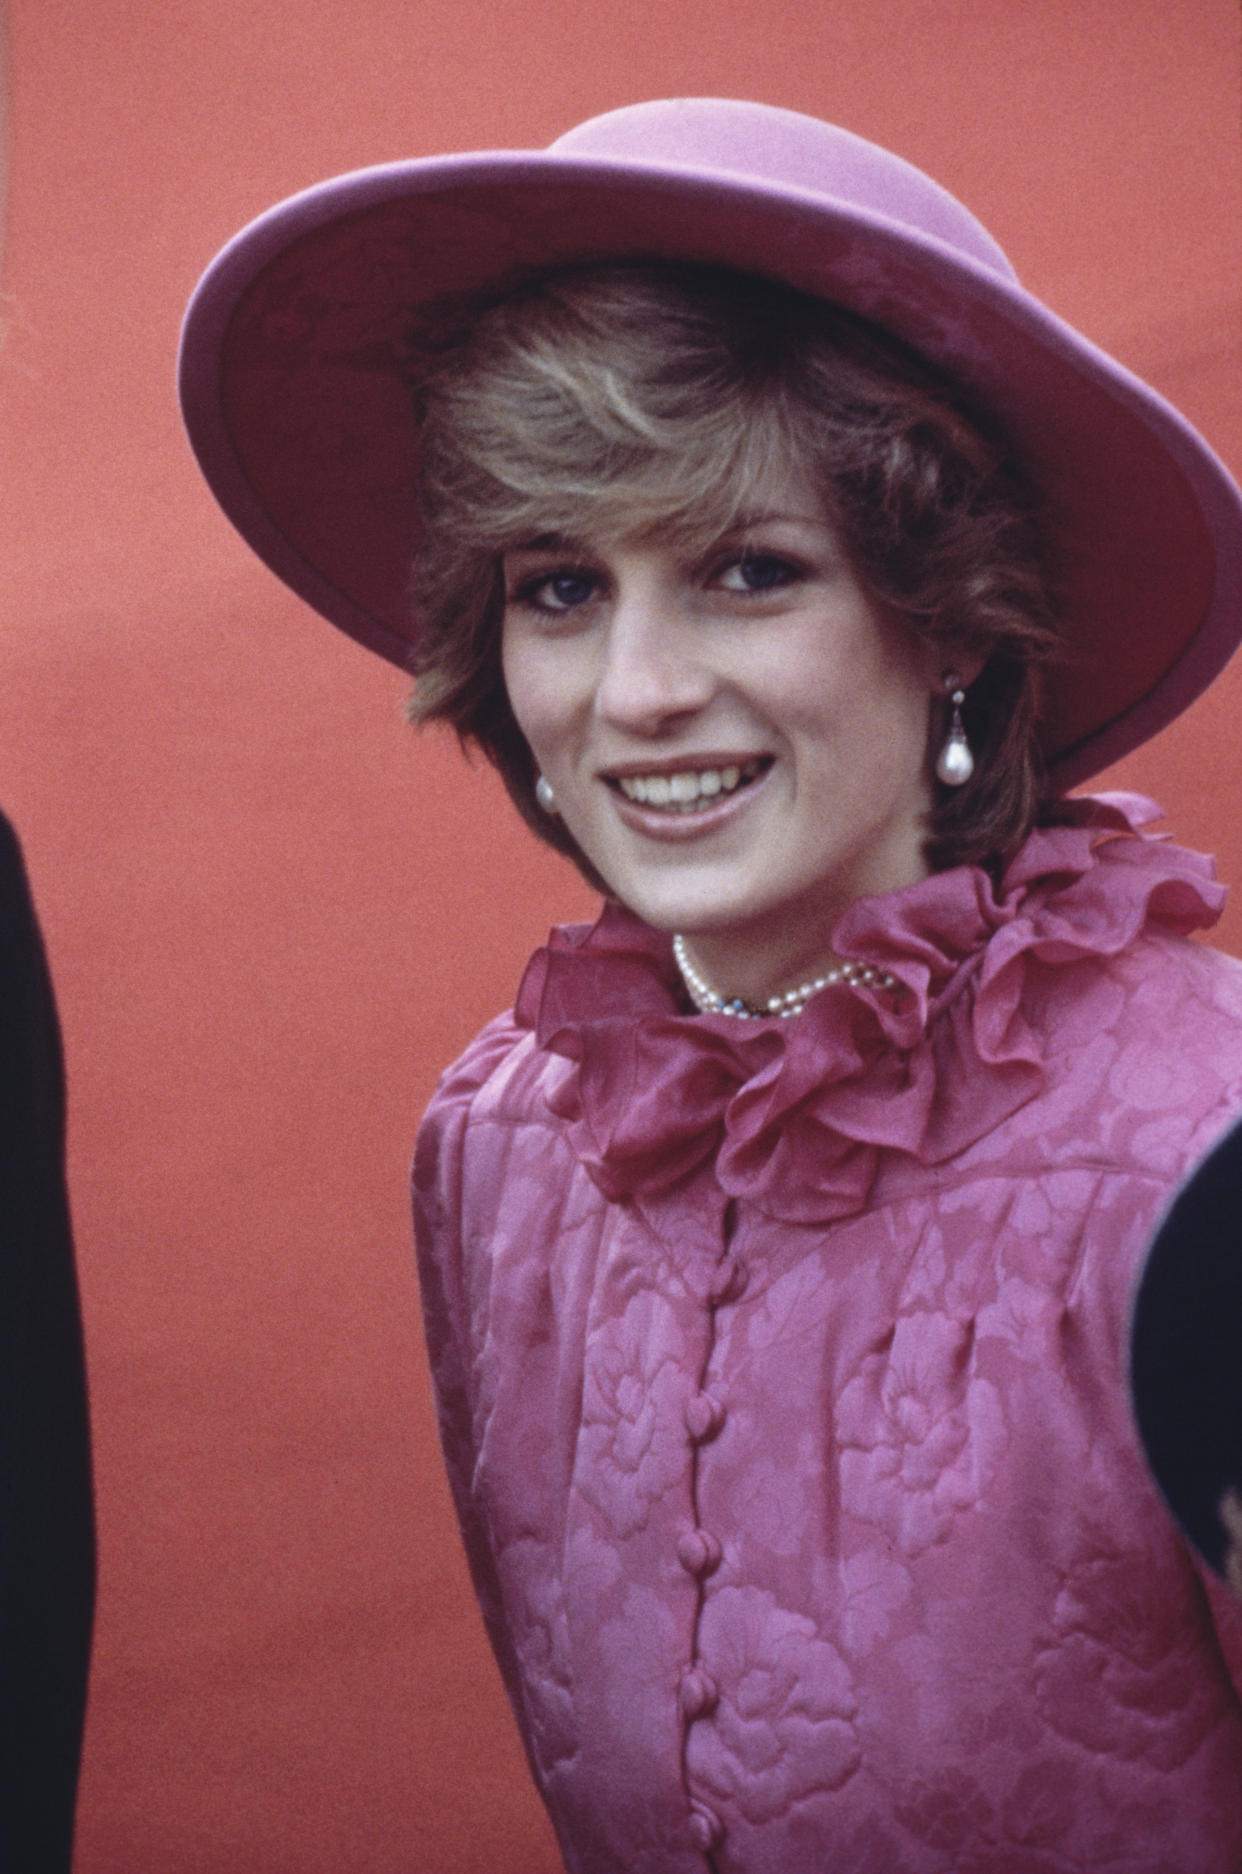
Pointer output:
x,y
790,562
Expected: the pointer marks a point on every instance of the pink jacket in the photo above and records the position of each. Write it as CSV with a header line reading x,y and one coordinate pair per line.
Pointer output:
x,y
781,1368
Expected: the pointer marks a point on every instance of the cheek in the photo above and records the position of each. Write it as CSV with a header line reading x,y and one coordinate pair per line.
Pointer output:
x,y
528,689
865,699
872,728
904,685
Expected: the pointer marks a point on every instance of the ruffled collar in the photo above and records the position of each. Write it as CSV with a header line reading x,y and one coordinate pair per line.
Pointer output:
x,y
795,1114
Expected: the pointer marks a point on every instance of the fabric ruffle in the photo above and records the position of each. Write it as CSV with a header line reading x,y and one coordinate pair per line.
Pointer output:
x,y
796,1113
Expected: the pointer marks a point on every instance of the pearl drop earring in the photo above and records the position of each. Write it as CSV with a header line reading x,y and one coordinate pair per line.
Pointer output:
x,y
955,764
545,796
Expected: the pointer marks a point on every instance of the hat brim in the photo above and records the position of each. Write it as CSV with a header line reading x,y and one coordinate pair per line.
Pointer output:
x,y
295,387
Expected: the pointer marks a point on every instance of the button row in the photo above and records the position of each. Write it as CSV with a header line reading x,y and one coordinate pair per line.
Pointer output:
x,y
698,1551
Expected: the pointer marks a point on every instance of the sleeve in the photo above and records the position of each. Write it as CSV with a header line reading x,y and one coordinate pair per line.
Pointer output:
x,y
439,1193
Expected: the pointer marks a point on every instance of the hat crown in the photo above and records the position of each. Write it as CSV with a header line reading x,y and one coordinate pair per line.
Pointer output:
x,y
762,143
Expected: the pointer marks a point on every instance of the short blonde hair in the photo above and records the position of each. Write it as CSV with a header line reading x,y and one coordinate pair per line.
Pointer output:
x,y
650,399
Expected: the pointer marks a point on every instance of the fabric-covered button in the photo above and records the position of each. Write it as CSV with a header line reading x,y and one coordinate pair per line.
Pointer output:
x,y
697,1692
728,1281
698,1552
704,1416
706,1828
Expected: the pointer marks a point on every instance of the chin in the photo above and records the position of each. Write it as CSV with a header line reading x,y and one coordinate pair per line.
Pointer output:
x,y
691,914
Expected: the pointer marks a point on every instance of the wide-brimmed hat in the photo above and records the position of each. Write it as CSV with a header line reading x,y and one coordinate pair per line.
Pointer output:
x,y
295,373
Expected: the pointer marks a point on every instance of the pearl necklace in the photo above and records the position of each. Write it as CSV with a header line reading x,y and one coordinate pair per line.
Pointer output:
x,y
709,1001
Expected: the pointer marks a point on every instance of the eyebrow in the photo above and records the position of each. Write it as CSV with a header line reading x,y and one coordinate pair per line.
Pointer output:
x,y
761,517
745,522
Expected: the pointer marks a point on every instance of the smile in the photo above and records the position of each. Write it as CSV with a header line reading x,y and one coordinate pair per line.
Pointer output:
x,y
690,790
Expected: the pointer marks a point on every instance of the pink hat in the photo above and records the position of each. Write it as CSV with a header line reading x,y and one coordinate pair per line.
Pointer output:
x,y
294,372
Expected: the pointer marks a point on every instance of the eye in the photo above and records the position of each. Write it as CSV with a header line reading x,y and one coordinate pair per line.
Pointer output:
x,y
758,572
560,591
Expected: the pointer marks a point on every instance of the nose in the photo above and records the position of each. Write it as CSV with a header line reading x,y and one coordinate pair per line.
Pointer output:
x,y
654,670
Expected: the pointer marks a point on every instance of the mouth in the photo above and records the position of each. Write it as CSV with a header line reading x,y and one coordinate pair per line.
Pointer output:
x,y
689,790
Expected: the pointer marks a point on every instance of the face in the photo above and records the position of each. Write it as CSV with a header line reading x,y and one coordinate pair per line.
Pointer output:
x,y
736,738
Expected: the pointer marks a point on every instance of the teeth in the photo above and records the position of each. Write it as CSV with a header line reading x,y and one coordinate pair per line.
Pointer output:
x,y
687,790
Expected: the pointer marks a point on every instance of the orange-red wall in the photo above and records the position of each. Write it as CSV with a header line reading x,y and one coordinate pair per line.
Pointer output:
x,y
273,915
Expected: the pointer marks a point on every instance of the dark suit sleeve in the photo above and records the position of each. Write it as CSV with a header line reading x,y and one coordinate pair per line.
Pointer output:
x,y
47,1557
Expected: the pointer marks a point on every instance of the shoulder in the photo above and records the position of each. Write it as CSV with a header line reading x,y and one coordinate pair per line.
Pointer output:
x,y
1142,1058
1162,997
498,1087
492,1049
1137,1020
504,1074
1178,1038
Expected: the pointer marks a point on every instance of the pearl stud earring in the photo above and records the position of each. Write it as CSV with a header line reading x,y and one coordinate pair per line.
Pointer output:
x,y
545,796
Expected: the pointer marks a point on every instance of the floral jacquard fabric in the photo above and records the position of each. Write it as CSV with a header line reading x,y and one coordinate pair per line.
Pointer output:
x,y
782,1377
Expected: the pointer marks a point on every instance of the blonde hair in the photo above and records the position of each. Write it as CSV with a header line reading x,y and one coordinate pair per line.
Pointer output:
x,y
651,399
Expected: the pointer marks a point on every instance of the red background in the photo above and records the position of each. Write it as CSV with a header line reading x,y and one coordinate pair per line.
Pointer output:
x,y
273,914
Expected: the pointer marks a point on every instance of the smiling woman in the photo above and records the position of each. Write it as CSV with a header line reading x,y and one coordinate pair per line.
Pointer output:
x,y
790,562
